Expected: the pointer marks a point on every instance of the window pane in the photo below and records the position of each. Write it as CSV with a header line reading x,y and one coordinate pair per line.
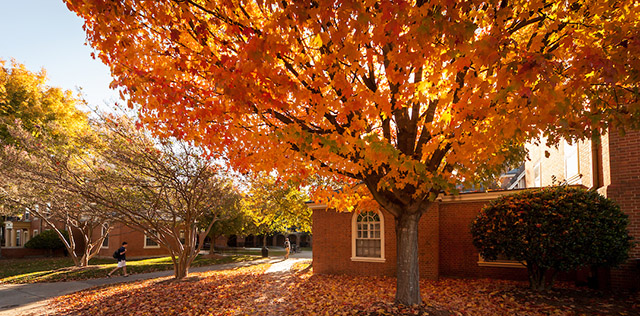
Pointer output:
x,y
368,241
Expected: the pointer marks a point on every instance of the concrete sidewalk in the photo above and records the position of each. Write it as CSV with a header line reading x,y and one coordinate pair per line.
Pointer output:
x,y
31,299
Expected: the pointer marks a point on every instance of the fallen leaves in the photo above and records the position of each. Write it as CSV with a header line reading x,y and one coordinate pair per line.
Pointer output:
x,y
249,291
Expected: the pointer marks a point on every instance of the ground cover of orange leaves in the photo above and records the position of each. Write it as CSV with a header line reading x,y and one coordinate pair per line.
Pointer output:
x,y
249,291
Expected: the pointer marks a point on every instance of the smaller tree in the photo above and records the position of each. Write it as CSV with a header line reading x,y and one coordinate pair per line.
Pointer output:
x,y
234,221
276,206
36,173
553,229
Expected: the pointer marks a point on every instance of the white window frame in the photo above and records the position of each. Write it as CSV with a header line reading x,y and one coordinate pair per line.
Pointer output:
x,y
149,246
571,158
537,176
102,231
35,232
354,236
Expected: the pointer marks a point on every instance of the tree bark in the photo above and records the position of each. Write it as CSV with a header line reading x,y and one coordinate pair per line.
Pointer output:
x,y
536,277
181,269
408,270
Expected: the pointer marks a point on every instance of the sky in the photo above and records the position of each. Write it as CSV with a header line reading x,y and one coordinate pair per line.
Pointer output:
x,y
45,34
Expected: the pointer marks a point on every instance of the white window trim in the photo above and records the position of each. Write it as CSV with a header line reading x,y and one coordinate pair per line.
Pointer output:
x,y
147,246
539,177
354,235
573,178
102,246
35,232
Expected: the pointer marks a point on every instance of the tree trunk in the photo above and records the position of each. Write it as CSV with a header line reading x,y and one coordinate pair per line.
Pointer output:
x,y
181,268
408,270
84,260
536,277
212,248
264,241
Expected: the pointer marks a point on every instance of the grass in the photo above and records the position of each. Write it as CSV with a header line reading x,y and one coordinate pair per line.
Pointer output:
x,y
62,269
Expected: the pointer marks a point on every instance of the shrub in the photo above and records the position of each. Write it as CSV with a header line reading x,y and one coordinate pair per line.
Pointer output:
x,y
553,229
48,239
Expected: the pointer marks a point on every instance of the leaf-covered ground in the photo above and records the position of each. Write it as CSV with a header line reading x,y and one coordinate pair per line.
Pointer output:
x,y
248,291
62,269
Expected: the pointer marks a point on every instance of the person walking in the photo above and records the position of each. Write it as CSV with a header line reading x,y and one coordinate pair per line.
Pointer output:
x,y
287,247
122,260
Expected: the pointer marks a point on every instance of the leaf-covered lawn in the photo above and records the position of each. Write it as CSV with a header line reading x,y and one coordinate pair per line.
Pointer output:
x,y
248,291
62,269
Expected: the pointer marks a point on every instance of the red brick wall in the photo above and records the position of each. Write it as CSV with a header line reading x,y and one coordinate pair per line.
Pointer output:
x,y
445,247
332,245
16,253
624,159
428,250
458,256
134,239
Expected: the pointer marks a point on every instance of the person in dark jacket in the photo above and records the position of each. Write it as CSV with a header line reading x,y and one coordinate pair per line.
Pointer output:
x,y
122,260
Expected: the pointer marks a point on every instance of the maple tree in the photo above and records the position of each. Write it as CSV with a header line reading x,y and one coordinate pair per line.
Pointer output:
x,y
408,98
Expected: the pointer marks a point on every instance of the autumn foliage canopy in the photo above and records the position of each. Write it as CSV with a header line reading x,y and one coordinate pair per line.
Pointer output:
x,y
409,98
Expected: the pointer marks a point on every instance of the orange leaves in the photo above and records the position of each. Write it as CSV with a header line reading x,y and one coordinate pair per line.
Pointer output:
x,y
350,88
247,291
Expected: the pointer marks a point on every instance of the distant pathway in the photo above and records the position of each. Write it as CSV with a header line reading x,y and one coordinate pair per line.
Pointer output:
x,y
283,265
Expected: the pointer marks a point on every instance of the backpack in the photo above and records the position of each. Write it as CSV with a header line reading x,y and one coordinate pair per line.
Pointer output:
x,y
116,255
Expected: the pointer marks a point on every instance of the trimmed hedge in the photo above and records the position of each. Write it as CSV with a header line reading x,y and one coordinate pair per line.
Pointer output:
x,y
48,239
553,229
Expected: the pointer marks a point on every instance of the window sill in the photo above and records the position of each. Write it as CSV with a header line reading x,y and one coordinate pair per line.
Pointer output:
x,y
501,264
364,259
151,247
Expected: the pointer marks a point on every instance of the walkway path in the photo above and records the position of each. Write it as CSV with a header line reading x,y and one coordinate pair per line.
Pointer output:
x,y
31,299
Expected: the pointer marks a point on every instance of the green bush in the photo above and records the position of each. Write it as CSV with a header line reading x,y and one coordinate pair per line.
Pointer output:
x,y
553,229
48,239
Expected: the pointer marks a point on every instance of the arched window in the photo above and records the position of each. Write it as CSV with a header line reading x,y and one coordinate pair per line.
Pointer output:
x,y
367,237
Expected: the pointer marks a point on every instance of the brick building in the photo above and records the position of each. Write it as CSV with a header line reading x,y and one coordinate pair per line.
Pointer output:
x,y
611,165
17,230
445,247
364,243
